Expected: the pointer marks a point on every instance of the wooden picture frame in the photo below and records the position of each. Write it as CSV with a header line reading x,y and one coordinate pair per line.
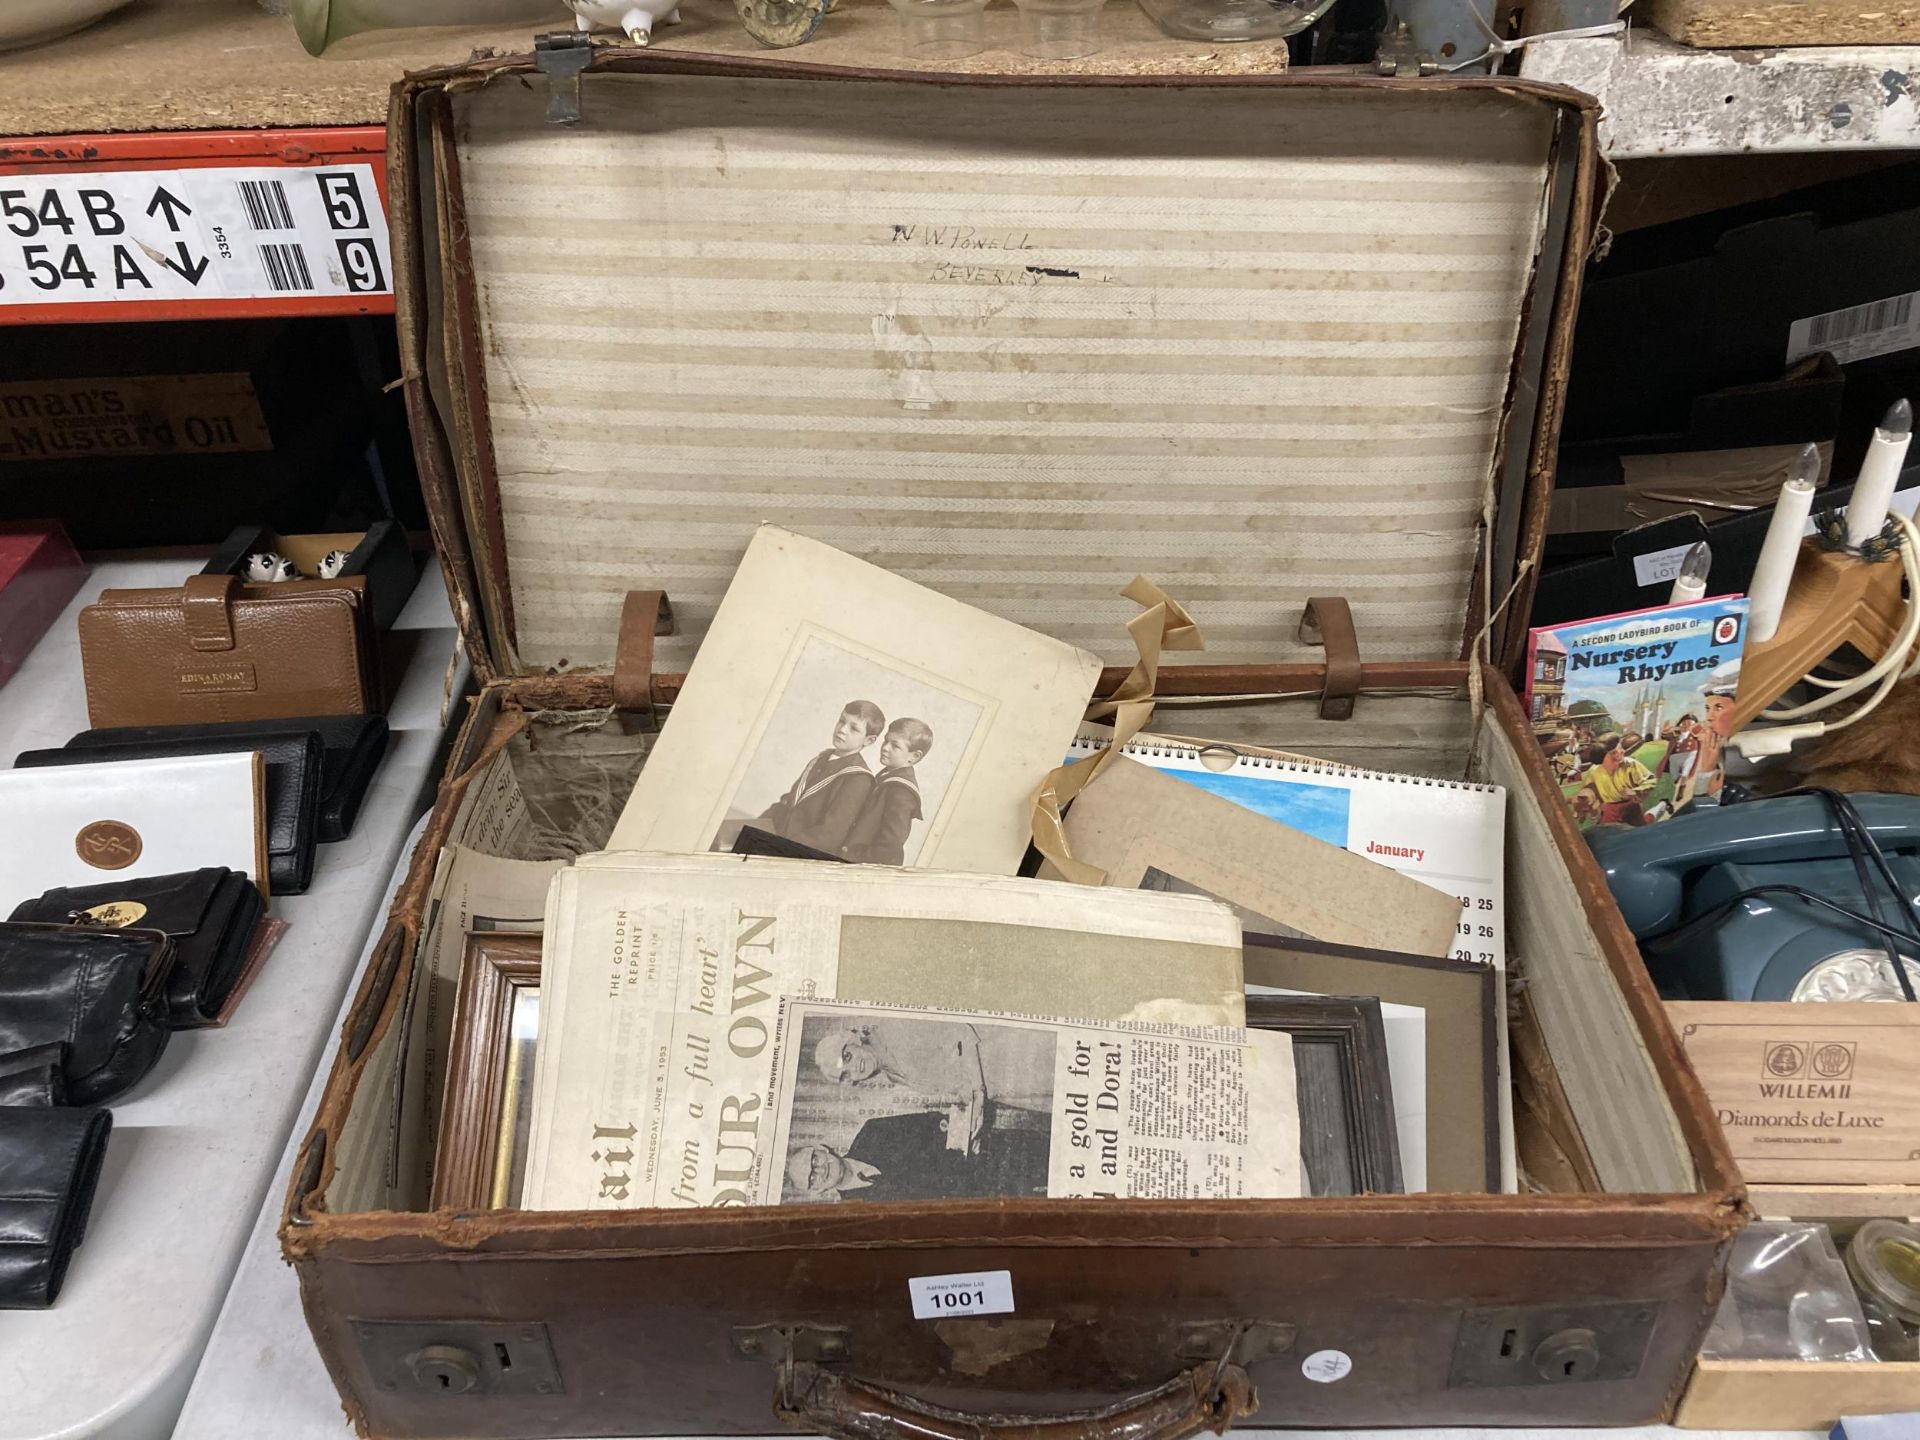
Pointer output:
x,y
1459,1002
489,1074
1349,1144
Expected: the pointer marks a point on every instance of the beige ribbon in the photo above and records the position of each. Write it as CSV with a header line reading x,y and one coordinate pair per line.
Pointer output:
x,y
1162,624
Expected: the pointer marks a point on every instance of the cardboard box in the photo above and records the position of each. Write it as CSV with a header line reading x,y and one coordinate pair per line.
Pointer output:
x,y
1679,313
379,553
1783,321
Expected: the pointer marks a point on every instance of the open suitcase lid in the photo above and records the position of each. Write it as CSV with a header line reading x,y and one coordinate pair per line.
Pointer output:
x,y
1261,339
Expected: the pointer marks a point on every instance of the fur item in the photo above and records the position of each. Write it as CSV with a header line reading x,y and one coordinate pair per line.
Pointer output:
x,y
1877,755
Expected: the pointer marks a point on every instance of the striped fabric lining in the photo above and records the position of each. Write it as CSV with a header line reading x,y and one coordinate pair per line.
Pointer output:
x,y
1017,345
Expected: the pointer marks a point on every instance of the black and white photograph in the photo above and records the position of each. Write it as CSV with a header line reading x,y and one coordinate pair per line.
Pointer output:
x,y
855,760
915,1109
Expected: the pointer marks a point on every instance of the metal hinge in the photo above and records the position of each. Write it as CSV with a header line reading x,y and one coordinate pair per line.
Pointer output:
x,y
1235,1342
561,55
1398,55
793,1344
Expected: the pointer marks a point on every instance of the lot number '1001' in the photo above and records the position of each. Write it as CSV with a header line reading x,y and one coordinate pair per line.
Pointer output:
x,y
957,1299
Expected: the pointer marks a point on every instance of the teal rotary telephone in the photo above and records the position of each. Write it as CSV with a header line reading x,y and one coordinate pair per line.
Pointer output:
x,y
1683,886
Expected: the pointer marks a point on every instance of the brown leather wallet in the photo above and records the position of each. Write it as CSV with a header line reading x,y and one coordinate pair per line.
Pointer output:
x,y
216,649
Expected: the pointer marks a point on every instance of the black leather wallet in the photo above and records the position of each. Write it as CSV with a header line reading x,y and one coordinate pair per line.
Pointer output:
x,y
293,789
351,747
101,992
49,1168
35,1077
209,914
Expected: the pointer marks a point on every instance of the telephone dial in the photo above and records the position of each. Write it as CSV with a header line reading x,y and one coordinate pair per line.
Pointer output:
x,y
1671,878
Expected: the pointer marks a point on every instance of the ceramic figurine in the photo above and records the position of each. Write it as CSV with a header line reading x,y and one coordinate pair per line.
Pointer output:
x,y
266,567
636,22
332,563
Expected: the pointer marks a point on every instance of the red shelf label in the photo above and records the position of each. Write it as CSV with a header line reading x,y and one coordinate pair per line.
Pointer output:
x,y
217,234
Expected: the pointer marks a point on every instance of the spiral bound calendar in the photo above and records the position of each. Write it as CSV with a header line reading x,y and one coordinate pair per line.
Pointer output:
x,y
1450,834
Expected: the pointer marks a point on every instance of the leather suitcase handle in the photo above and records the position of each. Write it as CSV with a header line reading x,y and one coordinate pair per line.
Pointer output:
x,y
1207,1397
644,615
1328,622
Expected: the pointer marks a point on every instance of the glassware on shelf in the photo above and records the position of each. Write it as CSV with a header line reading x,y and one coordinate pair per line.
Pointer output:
x,y
941,29
1228,20
1060,29
321,22
1883,1261
33,22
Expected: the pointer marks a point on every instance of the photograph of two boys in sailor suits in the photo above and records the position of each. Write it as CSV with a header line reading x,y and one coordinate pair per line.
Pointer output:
x,y
855,760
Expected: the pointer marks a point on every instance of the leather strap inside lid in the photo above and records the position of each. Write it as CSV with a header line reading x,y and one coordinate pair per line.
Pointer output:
x,y
646,614
206,605
1328,622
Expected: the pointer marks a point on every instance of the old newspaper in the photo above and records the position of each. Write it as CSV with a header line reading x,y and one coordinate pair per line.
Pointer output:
x,y
871,1103
663,971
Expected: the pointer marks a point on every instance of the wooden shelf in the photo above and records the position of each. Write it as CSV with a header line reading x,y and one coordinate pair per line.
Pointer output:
x,y
172,65
865,34
1723,24
220,65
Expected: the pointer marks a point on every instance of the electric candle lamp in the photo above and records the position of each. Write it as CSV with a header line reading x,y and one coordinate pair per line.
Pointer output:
x,y
1879,473
1691,583
1774,573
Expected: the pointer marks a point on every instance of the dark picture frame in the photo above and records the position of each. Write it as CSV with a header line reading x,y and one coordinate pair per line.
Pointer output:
x,y
1461,1028
489,1075
1348,1141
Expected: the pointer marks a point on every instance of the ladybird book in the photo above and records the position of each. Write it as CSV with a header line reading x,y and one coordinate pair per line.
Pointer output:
x,y
1632,712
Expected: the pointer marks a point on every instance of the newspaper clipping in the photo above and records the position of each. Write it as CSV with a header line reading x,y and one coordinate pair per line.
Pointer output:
x,y
663,974
871,1103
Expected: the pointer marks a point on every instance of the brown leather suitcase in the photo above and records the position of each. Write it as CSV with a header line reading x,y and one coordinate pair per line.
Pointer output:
x,y
1264,340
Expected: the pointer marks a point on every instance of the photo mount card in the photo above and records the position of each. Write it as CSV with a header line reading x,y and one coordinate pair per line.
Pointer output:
x,y
1152,831
837,705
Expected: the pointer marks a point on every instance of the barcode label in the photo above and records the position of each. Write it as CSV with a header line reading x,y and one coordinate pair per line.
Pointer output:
x,y
266,202
286,267
213,234
1861,320
1879,327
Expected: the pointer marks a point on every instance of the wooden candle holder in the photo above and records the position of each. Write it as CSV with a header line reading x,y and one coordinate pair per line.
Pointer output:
x,y
1836,599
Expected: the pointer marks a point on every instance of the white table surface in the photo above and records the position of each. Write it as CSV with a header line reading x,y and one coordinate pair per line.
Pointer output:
x,y
195,1145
